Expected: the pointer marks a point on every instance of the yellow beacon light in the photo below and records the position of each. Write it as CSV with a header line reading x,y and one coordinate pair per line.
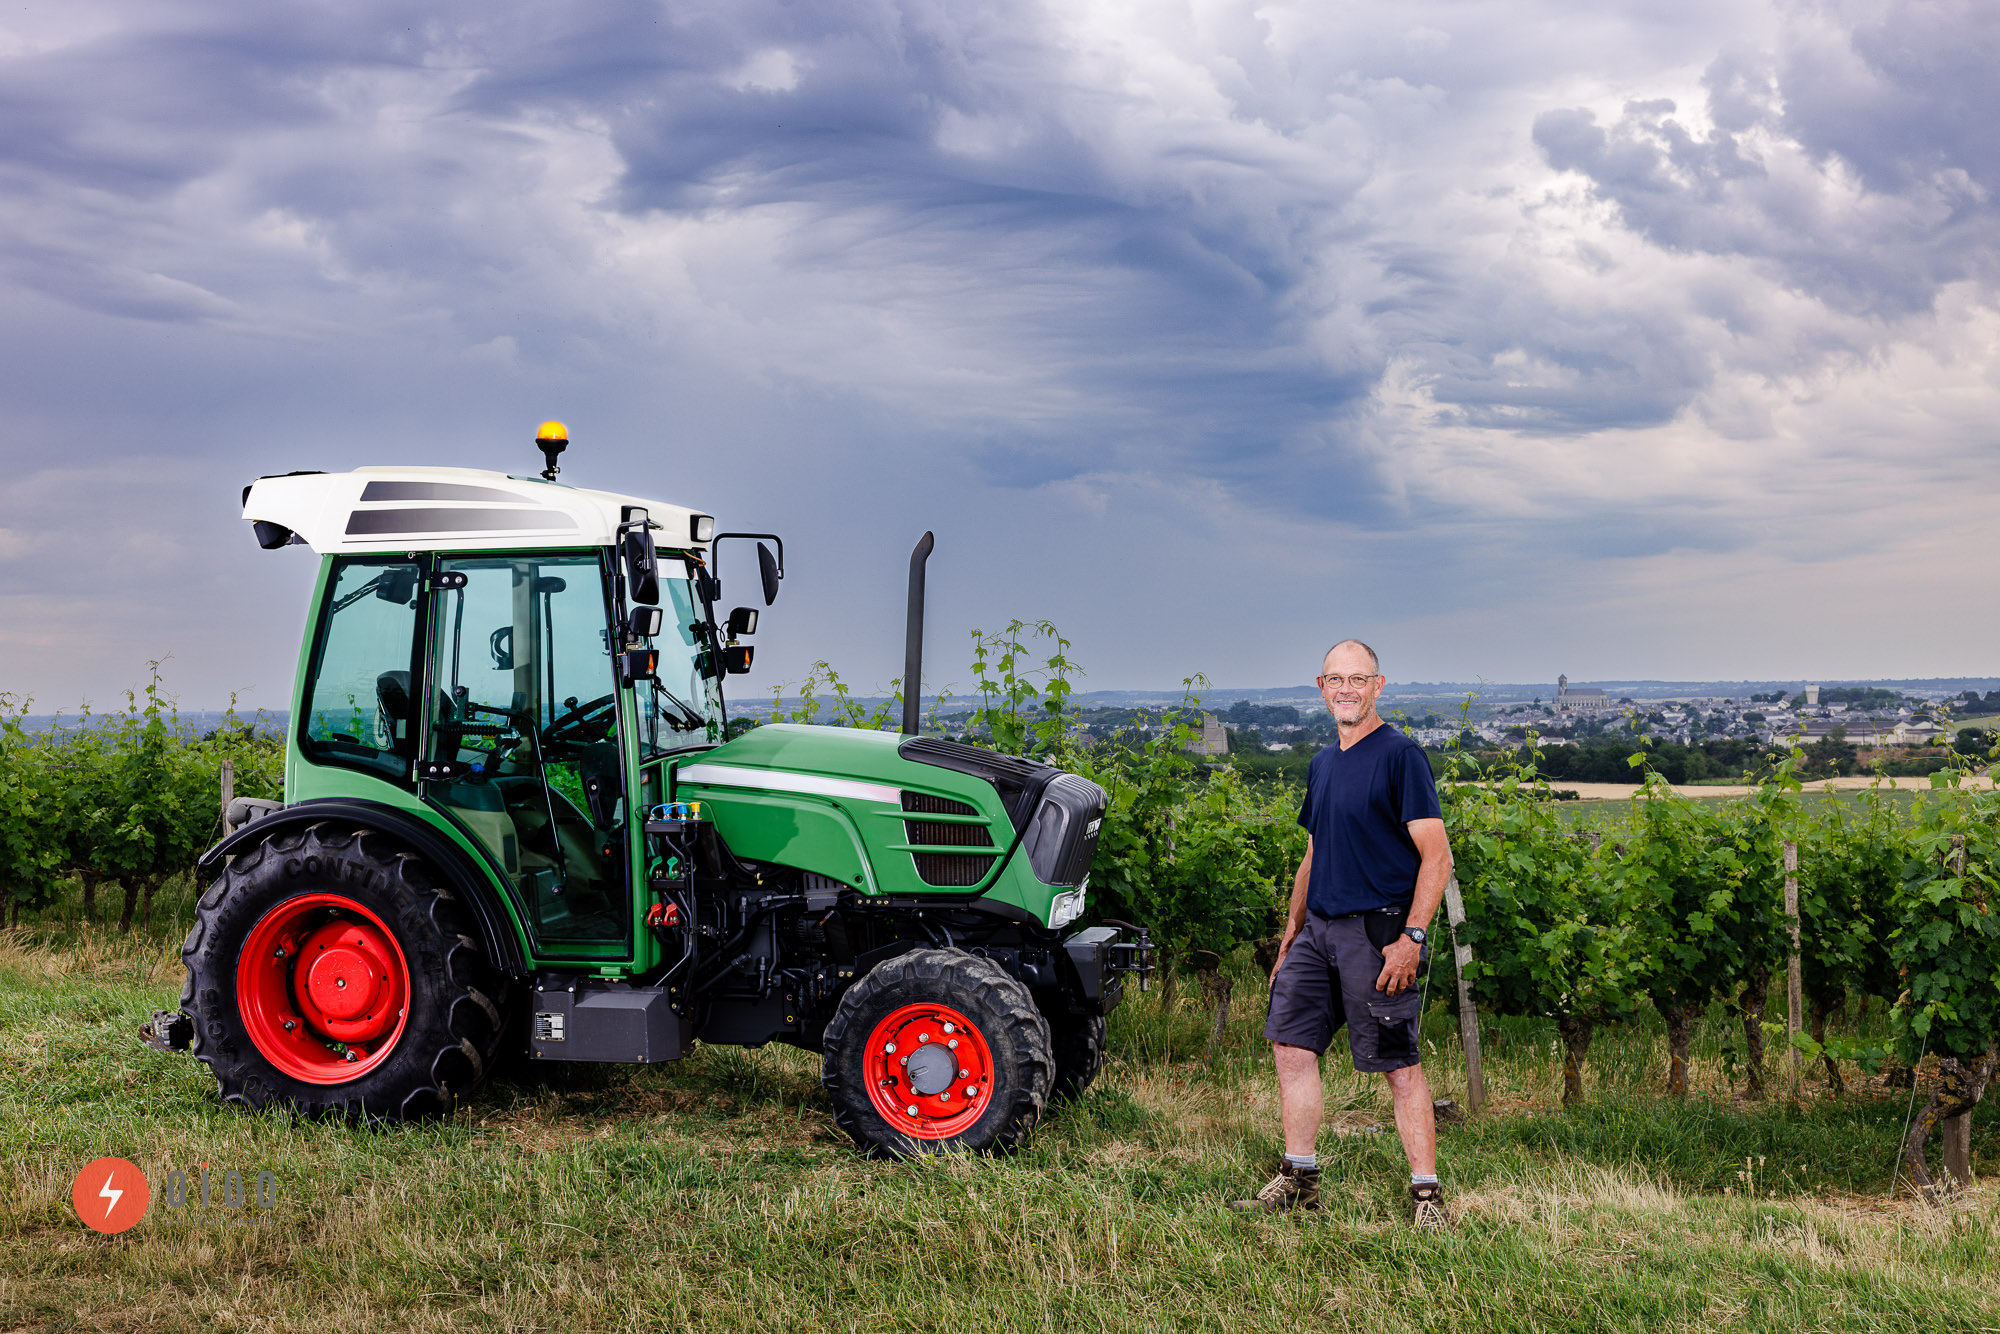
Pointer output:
x,y
552,438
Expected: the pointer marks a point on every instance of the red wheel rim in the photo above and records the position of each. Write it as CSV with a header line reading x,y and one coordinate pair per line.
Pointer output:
x,y
323,988
929,1071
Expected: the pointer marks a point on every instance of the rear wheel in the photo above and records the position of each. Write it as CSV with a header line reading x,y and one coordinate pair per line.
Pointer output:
x,y
937,1050
331,972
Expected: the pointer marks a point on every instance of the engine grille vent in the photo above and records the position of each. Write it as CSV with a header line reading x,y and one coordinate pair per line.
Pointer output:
x,y
953,870
948,835
923,803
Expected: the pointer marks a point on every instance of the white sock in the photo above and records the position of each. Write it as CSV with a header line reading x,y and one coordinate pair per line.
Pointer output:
x,y
1416,1180
1304,1162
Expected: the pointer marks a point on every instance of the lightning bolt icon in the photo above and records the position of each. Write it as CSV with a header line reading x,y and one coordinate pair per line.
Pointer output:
x,y
107,1193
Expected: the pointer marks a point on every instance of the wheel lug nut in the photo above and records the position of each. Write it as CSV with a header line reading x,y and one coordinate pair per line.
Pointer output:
x,y
923,1037
280,951
911,1109
890,1048
289,1025
948,1028
972,1090
964,1073
945,1096
953,1044
353,1055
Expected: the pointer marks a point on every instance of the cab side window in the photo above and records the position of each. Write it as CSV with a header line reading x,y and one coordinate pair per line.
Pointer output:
x,y
360,706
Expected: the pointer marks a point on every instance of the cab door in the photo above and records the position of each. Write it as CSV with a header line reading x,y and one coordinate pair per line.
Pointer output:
x,y
523,730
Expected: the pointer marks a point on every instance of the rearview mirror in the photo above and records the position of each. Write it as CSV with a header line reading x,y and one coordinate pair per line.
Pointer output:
x,y
742,621
642,563
397,584
767,566
644,622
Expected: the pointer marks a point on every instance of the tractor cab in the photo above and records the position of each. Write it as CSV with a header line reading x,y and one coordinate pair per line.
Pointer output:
x,y
516,656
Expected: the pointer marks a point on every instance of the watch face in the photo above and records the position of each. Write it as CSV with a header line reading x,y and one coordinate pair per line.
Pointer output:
x,y
1416,933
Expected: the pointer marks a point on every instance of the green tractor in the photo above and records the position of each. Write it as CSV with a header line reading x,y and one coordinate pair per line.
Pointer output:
x,y
515,829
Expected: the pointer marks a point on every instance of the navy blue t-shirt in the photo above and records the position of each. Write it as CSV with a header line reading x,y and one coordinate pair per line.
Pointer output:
x,y
1358,805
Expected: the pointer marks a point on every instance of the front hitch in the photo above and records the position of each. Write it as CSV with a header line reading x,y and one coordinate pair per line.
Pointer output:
x,y
1133,956
1100,955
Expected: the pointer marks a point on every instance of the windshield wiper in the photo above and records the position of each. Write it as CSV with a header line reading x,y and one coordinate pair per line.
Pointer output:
x,y
690,721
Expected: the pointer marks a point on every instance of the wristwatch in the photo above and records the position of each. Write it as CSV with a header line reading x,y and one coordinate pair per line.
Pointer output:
x,y
1417,934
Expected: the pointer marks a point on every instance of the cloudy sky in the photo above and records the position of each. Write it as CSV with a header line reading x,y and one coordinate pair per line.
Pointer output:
x,y
1617,340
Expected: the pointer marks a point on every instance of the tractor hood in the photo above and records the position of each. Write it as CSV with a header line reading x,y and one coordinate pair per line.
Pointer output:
x,y
899,814
872,766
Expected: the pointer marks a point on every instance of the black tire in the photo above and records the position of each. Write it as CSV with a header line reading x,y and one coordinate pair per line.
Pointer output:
x,y
454,1017
1077,1041
998,1006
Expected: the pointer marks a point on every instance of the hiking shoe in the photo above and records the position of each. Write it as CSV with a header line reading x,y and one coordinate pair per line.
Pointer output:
x,y
1292,1188
1427,1211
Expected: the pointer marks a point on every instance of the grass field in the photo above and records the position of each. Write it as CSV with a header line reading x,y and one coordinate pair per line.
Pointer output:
x,y
716,1194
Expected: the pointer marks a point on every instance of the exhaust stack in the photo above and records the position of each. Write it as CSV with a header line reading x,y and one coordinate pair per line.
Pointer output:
x,y
913,640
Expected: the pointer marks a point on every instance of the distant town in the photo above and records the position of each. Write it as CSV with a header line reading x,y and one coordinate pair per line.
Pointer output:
x,y
1697,731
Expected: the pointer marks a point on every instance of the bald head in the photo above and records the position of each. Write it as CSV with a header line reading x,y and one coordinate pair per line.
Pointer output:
x,y
1374,662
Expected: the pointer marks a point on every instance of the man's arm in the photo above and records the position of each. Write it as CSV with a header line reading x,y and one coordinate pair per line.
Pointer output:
x,y
1399,960
1295,920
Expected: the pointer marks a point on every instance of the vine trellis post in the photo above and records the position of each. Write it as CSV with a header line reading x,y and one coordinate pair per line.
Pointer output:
x,y
1956,1131
1794,982
1468,1013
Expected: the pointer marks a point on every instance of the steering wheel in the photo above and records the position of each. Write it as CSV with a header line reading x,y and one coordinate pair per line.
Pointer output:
x,y
583,723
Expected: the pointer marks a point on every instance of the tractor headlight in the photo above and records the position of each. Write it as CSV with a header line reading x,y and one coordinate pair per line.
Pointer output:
x,y
701,528
1067,906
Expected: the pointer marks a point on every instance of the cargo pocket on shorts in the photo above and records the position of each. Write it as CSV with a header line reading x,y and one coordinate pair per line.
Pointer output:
x,y
1395,1023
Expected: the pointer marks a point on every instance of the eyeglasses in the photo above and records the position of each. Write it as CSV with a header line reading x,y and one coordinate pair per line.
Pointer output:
x,y
1357,682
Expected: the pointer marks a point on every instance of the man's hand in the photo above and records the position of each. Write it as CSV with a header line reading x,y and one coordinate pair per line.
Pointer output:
x,y
1399,965
1284,948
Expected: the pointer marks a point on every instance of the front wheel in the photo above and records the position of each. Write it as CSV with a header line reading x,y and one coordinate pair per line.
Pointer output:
x,y
330,972
937,1050
1078,1044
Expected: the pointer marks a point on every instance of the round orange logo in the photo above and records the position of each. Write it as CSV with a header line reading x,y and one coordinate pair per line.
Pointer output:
x,y
110,1195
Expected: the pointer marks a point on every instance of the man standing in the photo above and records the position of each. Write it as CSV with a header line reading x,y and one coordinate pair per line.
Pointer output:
x,y
1376,865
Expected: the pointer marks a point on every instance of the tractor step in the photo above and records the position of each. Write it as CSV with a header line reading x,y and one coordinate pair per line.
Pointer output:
x,y
582,1019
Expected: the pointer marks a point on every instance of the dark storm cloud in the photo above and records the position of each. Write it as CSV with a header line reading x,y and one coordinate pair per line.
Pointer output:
x,y
1857,166
1152,292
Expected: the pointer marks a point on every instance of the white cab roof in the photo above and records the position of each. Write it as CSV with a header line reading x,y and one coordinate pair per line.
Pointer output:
x,y
460,509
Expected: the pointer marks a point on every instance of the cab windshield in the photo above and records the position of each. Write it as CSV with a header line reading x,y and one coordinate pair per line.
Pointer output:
x,y
683,707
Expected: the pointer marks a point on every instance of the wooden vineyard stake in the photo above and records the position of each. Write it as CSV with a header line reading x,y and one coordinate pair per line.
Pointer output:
x,y
1468,1014
1956,1131
1794,983
228,782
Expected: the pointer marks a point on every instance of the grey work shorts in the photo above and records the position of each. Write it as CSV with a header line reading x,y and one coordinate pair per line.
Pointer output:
x,y
1328,980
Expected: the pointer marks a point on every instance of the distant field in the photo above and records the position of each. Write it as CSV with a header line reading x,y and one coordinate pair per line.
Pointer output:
x,y
1608,808
716,1194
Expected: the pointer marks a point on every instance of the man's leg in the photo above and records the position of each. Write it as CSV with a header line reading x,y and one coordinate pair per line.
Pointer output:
x,y
1305,1013
1301,1100
1416,1124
